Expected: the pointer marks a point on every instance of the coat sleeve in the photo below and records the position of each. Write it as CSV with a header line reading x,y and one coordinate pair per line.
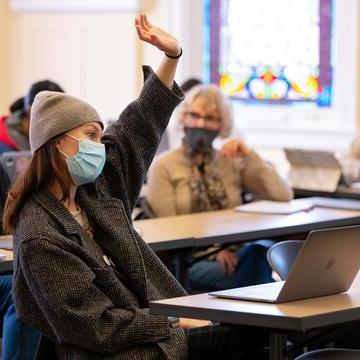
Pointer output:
x,y
160,190
263,180
72,303
131,142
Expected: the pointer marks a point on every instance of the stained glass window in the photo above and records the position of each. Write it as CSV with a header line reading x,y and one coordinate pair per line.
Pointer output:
x,y
270,51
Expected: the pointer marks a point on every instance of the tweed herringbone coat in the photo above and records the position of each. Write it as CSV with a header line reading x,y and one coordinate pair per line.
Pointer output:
x,y
63,287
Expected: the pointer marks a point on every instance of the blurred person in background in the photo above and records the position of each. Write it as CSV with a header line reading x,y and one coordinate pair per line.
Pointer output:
x,y
14,128
196,178
19,340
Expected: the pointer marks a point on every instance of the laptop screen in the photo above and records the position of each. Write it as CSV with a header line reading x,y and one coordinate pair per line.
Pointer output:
x,y
15,162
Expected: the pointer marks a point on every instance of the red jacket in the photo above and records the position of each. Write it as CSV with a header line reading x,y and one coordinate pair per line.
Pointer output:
x,y
5,139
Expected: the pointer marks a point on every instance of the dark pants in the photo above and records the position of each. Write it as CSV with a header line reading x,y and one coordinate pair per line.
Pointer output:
x,y
252,269
345,335
226,342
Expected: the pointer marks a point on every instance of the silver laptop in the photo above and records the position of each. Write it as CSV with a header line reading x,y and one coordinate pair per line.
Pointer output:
x,y
15,162
326,265
315,170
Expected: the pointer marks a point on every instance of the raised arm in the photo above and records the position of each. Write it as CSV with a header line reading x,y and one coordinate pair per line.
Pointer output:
x,y
132,141
164,42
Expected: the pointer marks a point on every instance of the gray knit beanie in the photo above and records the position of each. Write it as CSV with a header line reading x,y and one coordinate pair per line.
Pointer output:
x,y
54,113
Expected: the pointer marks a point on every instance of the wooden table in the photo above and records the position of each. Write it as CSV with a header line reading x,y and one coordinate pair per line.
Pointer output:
x,y
228,226
184,232
7,263
278,318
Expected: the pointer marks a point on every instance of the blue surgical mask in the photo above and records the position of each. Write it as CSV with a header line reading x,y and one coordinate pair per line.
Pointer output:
x,y
88,163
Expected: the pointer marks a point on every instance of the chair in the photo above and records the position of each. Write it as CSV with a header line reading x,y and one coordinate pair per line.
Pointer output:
x,y
331,354
282,255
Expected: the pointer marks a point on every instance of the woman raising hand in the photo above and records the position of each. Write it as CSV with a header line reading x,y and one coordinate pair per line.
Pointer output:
x,y
83,276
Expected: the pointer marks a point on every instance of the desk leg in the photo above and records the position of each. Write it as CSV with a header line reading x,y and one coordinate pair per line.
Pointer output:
x,y
181,271
277,345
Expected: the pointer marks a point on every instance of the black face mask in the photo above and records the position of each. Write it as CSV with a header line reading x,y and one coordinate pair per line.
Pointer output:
x,y
199,138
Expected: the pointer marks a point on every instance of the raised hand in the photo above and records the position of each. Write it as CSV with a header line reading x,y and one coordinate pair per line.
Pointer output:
x,y
156,36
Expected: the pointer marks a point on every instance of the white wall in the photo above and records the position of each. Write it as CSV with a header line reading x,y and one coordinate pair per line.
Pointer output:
x,y
96,56
4,58
87,53
93,55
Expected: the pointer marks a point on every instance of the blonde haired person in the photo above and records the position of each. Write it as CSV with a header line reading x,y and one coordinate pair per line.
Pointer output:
x,y
196,178
82,274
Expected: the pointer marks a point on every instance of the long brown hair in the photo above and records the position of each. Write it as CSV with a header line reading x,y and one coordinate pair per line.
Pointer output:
x,y
44,169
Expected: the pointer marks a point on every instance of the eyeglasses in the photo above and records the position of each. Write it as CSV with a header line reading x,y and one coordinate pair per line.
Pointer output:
x,y
211,120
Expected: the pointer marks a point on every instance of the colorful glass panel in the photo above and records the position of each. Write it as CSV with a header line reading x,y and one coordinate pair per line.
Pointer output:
x,y
264,51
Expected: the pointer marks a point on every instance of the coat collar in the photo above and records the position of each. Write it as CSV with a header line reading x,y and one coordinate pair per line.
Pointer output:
x,y
58,211
90,204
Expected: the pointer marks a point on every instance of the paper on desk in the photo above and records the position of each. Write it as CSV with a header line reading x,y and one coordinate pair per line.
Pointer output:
x,y
276,207
2,256
334,203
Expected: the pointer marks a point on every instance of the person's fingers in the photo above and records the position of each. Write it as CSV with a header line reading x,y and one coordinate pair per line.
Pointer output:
x,y
239,148
230,149
233,149
230,268
222,265
233,260
231,152
141,34
143,22
139,31
230,261
147,22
